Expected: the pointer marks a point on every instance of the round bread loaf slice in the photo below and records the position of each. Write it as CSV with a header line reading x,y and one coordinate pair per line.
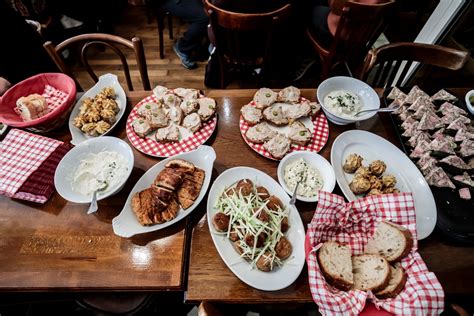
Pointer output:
x,y
395,285
391,241
335,263
371,272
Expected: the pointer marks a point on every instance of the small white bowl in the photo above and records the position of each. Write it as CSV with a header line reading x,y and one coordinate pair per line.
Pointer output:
x,y
316,161
368,97
470,105
68,165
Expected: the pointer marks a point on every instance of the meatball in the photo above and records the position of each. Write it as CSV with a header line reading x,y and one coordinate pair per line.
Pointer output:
x,y
359,185
283,248
274,203
230,192
390,190
237,246
250,240
363,171
377,167
374,192
245,187
284,225
265,262
375,183
221,222
262,214
263,193
352,163
234,235
389,181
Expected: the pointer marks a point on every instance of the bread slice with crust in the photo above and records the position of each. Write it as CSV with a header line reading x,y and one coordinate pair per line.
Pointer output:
x,y
335,263
391,241
371,272
395,285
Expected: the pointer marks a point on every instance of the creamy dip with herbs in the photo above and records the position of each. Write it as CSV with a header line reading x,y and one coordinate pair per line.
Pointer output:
x,y
343,103
101,171
310,179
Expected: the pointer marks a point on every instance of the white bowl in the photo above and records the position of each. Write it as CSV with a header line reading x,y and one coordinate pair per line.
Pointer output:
x,y
316,161
68,165
469,105
367,96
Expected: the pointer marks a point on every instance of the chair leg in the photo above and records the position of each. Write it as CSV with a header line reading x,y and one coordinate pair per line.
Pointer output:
x,y
170,25
149,10
160,23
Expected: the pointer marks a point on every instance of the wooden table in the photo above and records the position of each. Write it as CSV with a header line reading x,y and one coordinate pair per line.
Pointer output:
x,y
209,279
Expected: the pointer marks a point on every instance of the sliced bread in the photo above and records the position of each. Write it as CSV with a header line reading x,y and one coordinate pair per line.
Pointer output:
x,y
391,241
395,285
335,263
371,272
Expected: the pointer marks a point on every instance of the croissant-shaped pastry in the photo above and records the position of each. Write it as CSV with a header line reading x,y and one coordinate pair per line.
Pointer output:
x,y
377,167
352,163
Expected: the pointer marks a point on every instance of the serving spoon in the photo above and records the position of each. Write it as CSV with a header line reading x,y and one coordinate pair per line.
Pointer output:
x,y
293,197
94,207
381,110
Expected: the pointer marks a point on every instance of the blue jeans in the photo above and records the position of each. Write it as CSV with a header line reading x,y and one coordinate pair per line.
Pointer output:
x,y
191,11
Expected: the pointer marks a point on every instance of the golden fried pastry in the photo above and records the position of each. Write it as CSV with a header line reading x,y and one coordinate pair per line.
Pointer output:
x,y
389,181
374,192
390,190
108,115
352,163
89,129
102,127
359,185
363,171
97,115
375,183
377,167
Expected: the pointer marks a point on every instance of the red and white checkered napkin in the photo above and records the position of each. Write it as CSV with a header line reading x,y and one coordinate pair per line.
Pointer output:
x,y
54,97
354,223
22,154
319,139
151,147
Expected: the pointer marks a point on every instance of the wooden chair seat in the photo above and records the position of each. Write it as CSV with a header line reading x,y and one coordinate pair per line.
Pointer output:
x,y
394,60
86,41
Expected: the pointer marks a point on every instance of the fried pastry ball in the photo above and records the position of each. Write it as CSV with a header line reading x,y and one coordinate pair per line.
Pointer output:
x,y
283,248
262,193
363,171
230,192
250,240
390,190
374,192
262,214
221,222
353,162
274,203
284,225
245,187
234,235
375,183
264,263
389,181
359,185
377,167
237,246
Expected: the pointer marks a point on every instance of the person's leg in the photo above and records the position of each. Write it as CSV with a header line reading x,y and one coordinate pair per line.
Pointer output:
x,y
319,24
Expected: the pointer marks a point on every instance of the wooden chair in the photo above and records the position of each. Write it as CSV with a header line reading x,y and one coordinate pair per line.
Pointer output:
x,y
234,36
390,60
153,7
359,27
86,41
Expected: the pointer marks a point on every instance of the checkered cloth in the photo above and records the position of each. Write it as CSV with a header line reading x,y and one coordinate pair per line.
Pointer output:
x,y
151,147
354,223
54,97
318,140
28,163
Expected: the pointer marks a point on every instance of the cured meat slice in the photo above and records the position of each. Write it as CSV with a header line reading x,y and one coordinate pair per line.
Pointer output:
x,y
396,94
421,102
408,122
443,95
438,178
430,121
462,135
414,94
400,110
443,145
411,130
447,108
464,194
452,116
422,111
465,180
467,148
428,167
420,149
419,137
425,159
439,132
457,124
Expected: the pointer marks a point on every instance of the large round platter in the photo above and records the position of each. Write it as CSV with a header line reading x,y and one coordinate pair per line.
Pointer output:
x,y
126,223
151,147
280,277
318,125
409,178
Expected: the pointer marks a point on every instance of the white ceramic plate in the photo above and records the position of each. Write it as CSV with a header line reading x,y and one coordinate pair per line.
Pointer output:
x,y
107,80
317,162
409,178
68,165
126,223
469,105
280,277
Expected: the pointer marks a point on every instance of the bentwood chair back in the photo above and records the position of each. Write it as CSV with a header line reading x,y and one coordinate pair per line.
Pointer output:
x,y
86,41
359,27
394,61
242,40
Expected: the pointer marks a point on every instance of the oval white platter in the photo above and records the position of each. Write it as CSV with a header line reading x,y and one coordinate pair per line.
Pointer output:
x,y
126,223
107,80
280,277
409,179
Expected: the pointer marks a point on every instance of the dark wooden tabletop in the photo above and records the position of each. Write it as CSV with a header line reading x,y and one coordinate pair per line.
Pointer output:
x,y
209,278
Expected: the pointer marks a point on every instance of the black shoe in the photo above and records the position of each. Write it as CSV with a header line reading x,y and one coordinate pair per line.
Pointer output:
x,y
185,60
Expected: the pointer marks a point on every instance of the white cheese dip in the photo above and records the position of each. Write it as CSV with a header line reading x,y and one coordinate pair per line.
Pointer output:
x,y
103,171
311,180
343,103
